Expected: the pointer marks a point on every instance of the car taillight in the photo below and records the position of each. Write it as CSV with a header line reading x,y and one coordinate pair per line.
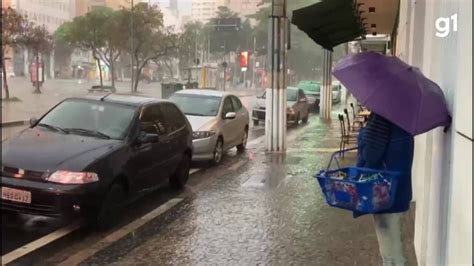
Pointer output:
x,y
67,177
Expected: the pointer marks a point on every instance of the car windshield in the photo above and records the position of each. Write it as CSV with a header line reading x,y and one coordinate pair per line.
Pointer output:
x,y
95,118
197,105
309,86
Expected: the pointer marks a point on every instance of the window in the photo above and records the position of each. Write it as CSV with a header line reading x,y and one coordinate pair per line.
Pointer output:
x,y
227,106
173,116
152,122
236,103
291,95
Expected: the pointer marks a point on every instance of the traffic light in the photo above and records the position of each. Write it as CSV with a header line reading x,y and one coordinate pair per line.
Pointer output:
x,y
244,60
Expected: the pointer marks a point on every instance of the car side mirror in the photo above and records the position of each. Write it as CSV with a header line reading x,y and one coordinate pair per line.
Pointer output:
x,y
146,138
33,121
230,115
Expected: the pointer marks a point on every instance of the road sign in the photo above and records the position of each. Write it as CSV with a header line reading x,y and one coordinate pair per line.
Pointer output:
x,y
228,24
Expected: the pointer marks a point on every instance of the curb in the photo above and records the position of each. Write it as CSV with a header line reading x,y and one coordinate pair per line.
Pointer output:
x,y
14,123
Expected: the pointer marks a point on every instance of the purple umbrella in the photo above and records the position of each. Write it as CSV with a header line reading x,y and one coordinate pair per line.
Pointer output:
x,y
397,91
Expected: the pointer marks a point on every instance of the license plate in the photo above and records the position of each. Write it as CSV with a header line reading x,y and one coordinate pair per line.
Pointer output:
x,y
17,195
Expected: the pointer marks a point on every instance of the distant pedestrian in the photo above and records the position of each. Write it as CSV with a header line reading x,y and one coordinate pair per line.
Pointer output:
x,y
385,146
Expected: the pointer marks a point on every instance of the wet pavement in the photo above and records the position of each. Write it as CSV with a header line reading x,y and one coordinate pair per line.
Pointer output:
x,y
267,210
254,208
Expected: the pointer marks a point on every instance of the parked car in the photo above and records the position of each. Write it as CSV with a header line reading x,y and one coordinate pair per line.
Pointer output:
x,y
88,156
312,90
219,121
336,92
297,107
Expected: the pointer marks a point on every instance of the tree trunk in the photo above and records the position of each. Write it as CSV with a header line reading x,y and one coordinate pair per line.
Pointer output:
x,y
137,79
100,72
5,84
112,71
170,69
37,90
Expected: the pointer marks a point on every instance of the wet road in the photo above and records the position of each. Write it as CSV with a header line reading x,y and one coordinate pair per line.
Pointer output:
x,y
255,208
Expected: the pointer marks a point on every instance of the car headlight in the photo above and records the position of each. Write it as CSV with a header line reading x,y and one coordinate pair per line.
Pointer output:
x,y
202,134
73,178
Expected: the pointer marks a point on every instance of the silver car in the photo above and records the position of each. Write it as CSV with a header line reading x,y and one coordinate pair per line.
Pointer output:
x,y
219,121
297,102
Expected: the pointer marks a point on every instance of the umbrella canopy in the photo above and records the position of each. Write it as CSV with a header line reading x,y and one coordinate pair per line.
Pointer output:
x,y
394,90
329,22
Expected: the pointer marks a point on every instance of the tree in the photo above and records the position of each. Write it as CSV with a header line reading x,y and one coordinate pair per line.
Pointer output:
x,y
151,40
97,31
13,27
38,39
188,41
305,56
225,12
229,39
63,49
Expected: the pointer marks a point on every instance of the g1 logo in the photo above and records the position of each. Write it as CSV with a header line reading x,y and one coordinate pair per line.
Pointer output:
x,y
443,25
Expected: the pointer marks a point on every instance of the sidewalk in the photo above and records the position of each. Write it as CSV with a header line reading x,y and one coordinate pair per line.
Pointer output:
x,y
268,212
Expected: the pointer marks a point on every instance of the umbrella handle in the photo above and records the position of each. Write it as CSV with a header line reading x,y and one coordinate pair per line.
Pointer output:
x,y
447,128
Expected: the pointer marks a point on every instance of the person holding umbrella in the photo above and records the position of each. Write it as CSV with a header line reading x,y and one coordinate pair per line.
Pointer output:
x,y
404,103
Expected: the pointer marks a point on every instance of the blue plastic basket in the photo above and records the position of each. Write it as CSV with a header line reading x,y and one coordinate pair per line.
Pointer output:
x,y
364,196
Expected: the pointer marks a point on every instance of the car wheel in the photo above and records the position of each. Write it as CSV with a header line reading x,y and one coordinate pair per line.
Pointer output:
x,y
179,179
305,119
218,151
111,207
241,147
255,122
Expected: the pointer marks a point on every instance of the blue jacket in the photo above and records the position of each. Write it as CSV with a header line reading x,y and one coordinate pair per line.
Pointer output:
x,y
385,146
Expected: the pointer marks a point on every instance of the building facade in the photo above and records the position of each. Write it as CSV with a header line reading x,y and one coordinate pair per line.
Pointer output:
x,y
51,14
436,36
9,53
84,6
244,7
204,10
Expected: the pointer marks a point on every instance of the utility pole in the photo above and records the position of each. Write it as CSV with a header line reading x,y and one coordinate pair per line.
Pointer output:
x,y
275,117
131,46
196,56
208,49
254,56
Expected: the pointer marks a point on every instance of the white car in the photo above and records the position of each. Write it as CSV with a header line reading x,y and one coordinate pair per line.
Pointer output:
x,y
219,121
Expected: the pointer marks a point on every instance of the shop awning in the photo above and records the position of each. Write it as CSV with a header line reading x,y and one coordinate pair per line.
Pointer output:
x,y
330,22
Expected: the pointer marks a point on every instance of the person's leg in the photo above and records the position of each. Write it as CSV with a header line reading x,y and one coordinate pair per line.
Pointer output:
x,y
388,229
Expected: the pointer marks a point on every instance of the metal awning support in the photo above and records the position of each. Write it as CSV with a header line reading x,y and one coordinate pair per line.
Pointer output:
x,y
275,117
326,90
